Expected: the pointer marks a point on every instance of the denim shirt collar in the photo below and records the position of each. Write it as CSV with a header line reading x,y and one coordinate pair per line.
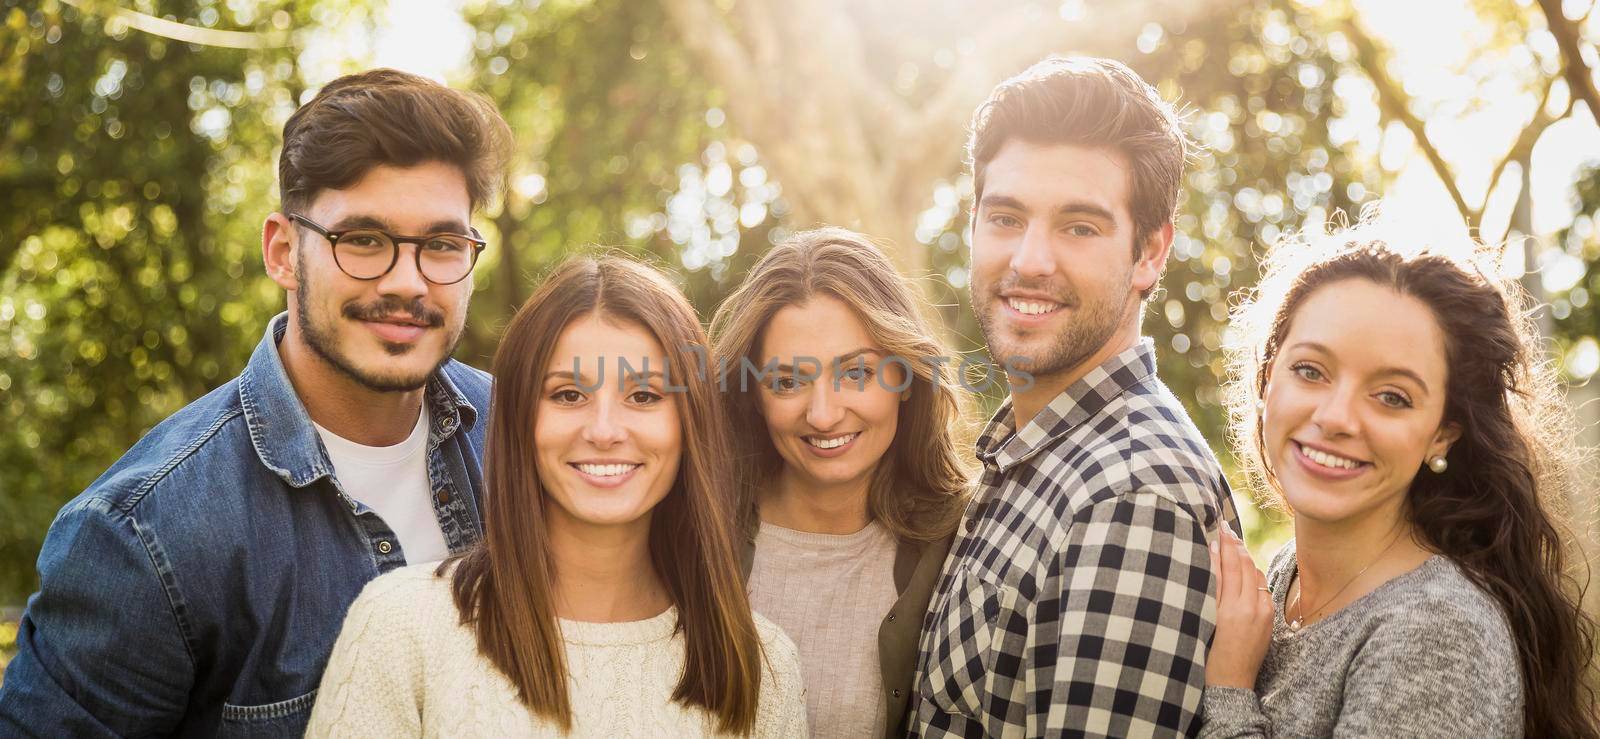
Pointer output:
x,y
280,427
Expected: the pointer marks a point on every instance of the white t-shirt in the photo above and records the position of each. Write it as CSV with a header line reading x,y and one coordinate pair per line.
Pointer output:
x,y
393,480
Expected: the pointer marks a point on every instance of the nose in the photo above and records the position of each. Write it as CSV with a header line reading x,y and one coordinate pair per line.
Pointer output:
x,y
824,412
1033,257
1335,414
604,428
404,280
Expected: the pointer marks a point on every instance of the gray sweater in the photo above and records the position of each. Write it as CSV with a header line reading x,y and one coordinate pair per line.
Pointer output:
x,y
1427,654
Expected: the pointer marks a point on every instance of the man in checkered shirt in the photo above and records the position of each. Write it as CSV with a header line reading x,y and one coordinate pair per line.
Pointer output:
x,y
1077,597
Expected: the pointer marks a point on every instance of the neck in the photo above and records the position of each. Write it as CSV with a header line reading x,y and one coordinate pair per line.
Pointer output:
x,y
1355,556
819,509
338,403
1026,403
604,574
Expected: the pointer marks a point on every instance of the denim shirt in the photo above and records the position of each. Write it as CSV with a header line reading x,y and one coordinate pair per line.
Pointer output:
x,y
197,587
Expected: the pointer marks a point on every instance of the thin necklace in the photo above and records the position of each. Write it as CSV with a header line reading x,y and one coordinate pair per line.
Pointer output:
x,y
1299,621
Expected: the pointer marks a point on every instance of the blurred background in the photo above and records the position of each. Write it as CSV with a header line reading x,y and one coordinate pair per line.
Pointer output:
x,y
138,155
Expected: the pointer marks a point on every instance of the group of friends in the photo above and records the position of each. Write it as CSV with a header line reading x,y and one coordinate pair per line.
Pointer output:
x,y
786,525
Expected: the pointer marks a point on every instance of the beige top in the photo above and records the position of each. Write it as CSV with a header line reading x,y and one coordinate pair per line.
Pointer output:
x,y
405,666
830,594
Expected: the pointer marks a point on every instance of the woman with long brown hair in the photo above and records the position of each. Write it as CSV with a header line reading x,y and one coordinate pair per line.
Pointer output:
x,y
1395,402
605,598
847,428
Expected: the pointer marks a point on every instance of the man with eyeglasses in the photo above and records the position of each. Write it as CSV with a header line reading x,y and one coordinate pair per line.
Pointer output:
x,y
198,586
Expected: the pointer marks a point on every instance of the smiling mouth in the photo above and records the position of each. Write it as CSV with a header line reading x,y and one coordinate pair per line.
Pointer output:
x,y
833,442
1331,461
1033,307
605,470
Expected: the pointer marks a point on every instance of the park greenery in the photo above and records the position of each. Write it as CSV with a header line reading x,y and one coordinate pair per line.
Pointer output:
x,y
136,168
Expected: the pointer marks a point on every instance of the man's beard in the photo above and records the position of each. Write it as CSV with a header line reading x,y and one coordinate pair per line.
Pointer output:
x,y
1094,321
324,345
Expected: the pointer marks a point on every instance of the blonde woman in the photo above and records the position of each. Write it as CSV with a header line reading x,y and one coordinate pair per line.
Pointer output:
x,y
848,454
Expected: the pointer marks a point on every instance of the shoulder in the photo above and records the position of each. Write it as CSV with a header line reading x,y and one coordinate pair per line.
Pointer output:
x,y
471,381
411,598
201,433
1146,446
776,644
1438,604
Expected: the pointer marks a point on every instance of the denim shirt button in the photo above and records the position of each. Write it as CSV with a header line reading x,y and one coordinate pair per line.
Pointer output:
x,y
444,497
385,547
448,426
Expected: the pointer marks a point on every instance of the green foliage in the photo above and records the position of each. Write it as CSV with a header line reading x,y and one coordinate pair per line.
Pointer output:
x,y
136,170
132,168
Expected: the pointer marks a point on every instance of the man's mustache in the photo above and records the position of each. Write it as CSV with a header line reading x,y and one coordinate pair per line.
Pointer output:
x,y
1060,293
390,307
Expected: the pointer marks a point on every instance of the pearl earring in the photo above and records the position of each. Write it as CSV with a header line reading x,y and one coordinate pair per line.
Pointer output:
x,y
1438,464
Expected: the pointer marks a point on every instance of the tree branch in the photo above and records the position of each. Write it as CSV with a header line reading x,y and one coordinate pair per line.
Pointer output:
x,y
1393,101
1523,148
1568,39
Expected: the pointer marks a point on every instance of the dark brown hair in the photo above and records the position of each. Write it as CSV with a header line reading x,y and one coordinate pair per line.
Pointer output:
x,y
504,587
389,117
1085,101
1498,509
920,488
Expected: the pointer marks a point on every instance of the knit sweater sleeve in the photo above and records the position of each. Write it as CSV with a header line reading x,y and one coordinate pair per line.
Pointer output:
x,y
1232,713
373,682
782,711
1447,671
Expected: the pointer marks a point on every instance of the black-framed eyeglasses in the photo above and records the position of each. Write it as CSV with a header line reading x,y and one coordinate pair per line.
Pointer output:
x,y
369,253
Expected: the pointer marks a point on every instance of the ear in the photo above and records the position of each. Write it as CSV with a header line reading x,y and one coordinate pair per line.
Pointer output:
x,y
1447,435
1152,258
279,239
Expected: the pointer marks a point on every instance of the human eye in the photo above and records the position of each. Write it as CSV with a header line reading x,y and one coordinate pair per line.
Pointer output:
x,y
857,373
1005,220
1394,399
1083,230
785,384
445,245
1307,372
567,396
644,396
362,239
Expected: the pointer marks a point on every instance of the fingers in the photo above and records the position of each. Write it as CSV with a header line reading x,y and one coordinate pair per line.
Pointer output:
x,y
1216,564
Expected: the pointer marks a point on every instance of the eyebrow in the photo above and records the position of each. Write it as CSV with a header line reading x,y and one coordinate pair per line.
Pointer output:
x,y
567,375
365,221
1382,371
839,360
1080,208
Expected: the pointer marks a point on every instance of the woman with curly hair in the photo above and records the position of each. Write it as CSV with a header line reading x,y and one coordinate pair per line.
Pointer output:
x,y
1394,401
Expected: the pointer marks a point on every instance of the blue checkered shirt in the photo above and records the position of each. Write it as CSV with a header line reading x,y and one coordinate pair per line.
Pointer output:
x,y
1076,600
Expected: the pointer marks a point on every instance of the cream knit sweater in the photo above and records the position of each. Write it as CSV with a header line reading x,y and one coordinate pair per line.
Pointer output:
x,y
405,666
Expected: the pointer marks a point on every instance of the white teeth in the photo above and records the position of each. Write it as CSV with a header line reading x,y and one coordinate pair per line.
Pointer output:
x,y
1328,460
1032,307
606,470
831,443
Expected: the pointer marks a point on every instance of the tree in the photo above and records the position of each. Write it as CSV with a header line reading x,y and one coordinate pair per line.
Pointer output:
x,y
130,167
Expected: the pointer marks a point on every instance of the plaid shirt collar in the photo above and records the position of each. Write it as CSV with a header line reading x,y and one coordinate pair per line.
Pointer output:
x,y
1000,448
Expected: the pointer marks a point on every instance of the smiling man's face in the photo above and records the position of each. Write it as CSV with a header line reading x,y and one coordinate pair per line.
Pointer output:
x,y
391,333
1054,272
